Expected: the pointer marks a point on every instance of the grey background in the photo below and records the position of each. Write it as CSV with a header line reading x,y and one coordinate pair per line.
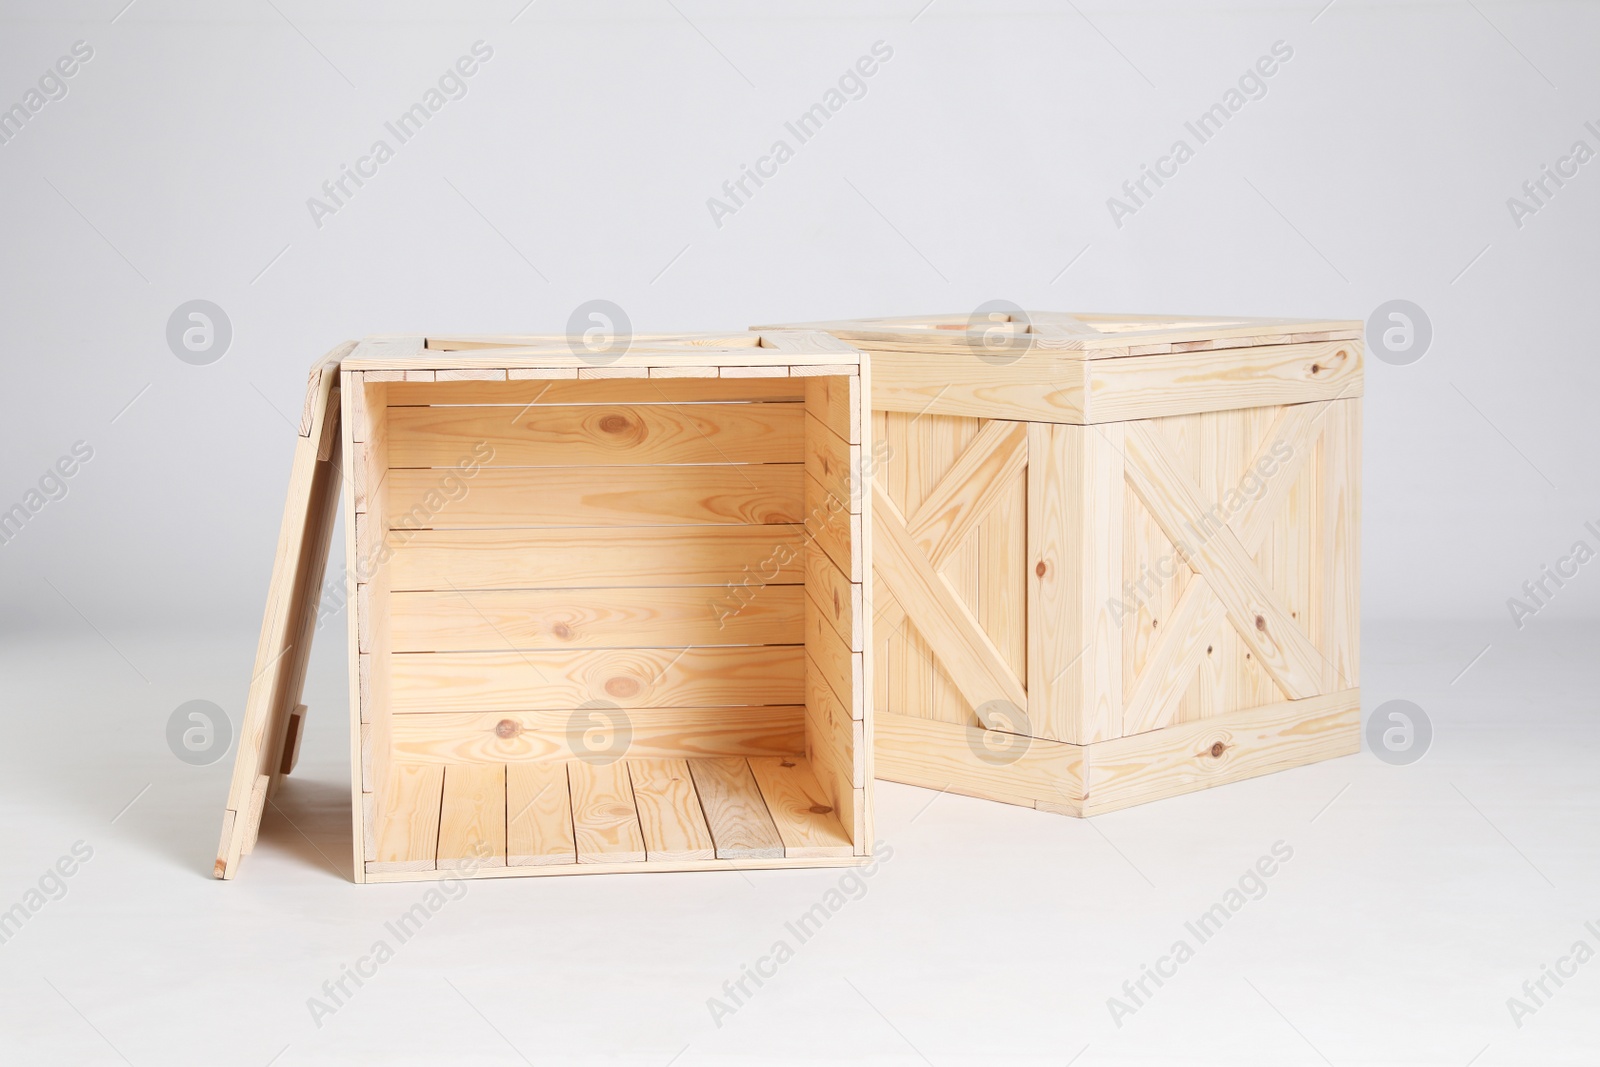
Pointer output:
x,y
976,167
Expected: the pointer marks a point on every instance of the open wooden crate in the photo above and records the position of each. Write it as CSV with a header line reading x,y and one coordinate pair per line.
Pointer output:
x,y
606,617
1117,556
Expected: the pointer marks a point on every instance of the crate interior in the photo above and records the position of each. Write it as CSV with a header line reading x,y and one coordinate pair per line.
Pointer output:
x,y
609,621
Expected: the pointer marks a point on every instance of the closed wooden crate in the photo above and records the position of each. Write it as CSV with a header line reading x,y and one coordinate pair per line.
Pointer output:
x,y
607,615
1116,557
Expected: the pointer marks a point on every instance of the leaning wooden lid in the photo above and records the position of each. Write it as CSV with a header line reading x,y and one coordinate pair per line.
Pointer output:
x,y
270,735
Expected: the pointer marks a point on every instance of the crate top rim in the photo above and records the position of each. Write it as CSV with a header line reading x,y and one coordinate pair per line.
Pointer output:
x,y
774,349
1086,335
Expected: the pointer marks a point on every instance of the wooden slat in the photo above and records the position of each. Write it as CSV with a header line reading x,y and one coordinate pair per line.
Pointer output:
x,y
609,434
494,620
655,557
1222,561
835,746
1038,387
407,825
596,496
831,461
832,526
631,678
605,823
570,390
965,651
538,815
1341,542
836,598
472,820
836,401
518,737
802,812
947,516
670,818
740,824
944,756
1150,386
1198,755
831,654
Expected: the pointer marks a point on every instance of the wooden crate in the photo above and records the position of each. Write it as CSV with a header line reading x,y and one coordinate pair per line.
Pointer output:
x,y
606,616
1117,556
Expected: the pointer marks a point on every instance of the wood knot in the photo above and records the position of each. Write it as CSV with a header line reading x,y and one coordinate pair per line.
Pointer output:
x,y
507,728
820,809
1261,623
1316,368
786,763
614,423
1208,650
836,605
1040,569
623,686
1218,749
561,630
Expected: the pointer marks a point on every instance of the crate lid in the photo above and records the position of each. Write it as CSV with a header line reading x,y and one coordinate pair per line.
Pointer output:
x,y
273,716
1081,335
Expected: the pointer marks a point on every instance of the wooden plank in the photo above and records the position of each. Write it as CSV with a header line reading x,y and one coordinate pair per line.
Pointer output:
x,y
836,402
1263,624
804,815
965,651
832,526
638,359
407,824
582,558
538,815
1341,542
525,737
571,390
740,825
1144,387
289,619
472,820
948,515
830,653
630,678
836,598
1038,387
1199,755
836,748
670,818
833,463
604,821
947,756
596,496
1181,649
663,867
497,619
609,434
